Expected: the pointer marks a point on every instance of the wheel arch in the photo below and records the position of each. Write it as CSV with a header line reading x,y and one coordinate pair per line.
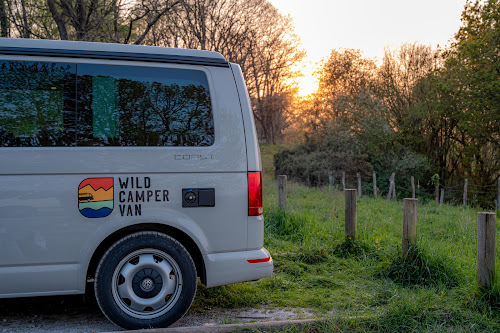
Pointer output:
x,y
173,232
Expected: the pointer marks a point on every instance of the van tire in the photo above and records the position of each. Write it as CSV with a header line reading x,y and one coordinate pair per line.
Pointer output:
x,y
145,280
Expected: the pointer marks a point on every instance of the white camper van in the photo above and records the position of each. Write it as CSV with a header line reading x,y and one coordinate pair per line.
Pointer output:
x,y
129,171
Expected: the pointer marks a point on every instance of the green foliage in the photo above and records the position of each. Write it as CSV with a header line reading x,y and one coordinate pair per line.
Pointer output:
x,y
471,75
457,106
227,297
435,179
311,255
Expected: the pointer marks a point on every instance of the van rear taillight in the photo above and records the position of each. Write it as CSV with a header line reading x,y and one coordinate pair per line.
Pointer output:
x,y
254,193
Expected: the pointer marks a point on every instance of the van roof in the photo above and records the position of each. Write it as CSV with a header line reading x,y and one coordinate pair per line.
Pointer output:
x,y
71,49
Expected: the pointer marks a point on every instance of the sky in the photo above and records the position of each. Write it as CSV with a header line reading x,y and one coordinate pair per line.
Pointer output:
x,y
368,25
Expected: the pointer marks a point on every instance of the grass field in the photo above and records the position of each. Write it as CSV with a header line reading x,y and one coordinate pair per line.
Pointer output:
x,y
365,285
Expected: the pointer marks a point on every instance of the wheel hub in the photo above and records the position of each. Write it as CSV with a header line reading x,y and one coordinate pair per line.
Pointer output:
x,y
147,283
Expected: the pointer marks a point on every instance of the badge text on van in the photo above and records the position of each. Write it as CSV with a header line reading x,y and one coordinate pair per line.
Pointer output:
x,y
195,157
134,192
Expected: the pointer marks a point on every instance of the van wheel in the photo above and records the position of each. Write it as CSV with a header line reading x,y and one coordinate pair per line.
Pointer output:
x,y
145,280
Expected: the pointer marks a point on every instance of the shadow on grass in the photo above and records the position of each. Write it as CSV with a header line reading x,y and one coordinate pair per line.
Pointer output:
x,y
420,268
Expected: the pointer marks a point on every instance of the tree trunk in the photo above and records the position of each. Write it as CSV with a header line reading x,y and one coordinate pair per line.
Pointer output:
x,y
61,26
26,30
4,25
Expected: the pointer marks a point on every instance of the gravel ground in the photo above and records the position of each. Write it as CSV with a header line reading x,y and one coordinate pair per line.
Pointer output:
x,y
72,315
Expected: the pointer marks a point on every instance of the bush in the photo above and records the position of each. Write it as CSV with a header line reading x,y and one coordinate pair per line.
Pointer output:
x,y
315,163
337,149
405,163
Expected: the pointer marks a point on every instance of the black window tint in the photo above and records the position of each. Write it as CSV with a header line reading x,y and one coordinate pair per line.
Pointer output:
x,y
37,106
143,106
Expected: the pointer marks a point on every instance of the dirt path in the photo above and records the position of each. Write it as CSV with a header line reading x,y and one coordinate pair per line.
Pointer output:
x,y
72,315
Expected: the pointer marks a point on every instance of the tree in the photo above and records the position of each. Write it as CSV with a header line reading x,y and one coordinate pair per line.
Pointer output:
x,y
346,85
251,33
118,21
399,74
347,95
470,86
274,51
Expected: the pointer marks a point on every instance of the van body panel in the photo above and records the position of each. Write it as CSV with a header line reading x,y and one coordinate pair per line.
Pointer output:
x,y
34,280
41,224
252,143
255,232
234,266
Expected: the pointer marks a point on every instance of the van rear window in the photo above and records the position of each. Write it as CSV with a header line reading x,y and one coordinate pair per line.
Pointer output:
x,y
57,104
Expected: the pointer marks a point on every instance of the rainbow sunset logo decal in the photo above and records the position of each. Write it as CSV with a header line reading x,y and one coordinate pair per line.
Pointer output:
x,y
95,197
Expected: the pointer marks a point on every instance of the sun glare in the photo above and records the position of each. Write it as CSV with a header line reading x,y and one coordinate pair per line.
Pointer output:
x,y
367,25
308,83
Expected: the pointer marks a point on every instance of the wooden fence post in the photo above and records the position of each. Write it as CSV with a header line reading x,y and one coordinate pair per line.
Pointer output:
x,y
441,198
394,186
359,183
412,187
409,223
350,214
282,191
465,192
486,232
374,184
392,191
343,180
436,194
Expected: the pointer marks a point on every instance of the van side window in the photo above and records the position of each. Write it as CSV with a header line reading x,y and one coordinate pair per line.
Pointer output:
x,y
37,104
143,106
45,104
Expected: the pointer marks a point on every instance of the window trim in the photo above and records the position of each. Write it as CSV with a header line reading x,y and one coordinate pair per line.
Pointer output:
x,y
109,55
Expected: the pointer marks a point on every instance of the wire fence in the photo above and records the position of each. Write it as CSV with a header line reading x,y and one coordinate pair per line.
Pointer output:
x,y
484,196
